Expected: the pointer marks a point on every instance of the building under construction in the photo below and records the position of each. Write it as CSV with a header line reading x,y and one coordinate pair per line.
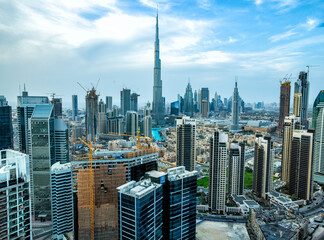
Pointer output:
x,y
111,169
92,112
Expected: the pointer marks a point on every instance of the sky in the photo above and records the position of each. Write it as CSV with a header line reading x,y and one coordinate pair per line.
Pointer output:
x,y
50,45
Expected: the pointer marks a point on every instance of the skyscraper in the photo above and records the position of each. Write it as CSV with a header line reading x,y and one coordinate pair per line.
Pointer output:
x,y
125,101
290,123
263,165
186,143
91,115
301,164
318,125
147,126
74,106
145,222
284,104
236,168
158,111
217,173
115,122
188,101
131,123
204,108
235,109
204,95
25,108
108,103
102,118
57,103
199,100
134,102
6,133
61,141
297,104
302,87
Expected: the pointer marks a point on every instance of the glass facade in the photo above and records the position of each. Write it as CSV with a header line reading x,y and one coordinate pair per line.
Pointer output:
x,y
6,134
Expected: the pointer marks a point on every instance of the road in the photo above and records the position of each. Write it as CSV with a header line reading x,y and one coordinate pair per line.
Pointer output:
x,y
317,205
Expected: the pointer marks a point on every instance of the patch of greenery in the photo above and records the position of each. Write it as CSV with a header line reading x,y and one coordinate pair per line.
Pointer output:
x,y
205,170
248,179
203,182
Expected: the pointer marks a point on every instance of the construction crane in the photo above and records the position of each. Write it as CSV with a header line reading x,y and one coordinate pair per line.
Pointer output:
x,y
91,185
138,138
308,66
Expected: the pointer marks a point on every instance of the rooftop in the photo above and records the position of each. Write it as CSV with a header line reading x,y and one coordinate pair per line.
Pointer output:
x,y
138,189
276,232
238,198
42,112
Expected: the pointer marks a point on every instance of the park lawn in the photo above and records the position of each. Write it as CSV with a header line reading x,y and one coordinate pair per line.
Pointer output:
x,y
248,180
203,182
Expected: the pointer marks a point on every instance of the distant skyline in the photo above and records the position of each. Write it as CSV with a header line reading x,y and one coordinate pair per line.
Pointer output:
x,y
52,44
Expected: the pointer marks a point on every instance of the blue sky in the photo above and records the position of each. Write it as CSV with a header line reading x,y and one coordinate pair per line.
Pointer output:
x,y
51,45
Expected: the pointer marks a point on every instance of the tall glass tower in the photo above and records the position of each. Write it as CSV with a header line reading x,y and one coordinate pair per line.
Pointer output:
x,y
235,109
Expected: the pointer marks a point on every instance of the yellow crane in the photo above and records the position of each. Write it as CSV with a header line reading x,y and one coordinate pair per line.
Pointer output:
x,y
138,138
91,184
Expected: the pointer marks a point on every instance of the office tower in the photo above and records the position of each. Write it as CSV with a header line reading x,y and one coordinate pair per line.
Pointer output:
x,y
62,199
102,118
106,179
301,164
204,95
115,122
6,132
147,126
174,108
204,108
284,104
15,214
134,102
235,109
217,173
225,104
147,111
102,106
195,96
181,103
158,111
25,108
145,222
57,104
77,131
301,98
91,117
74,106
186,143
199,100
290,123
263,165
43,157
131,123
61,141
188,101
108,103
318,125
125,101
236,168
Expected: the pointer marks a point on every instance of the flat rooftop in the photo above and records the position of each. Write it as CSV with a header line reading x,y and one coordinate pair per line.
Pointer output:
x,y
276,232
238,198
138,189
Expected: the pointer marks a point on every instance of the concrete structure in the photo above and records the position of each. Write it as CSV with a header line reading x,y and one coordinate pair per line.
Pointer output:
x,y
115,122
301,164
318,125
301,101
74,106
217,173
158,107
204,96
140,210
186,143
25,108
125,101
108,103
57,107
284,104
263,165
62,199
134,102
188,101
236,168
131,123
235,109
6,132
77,130
91,114
204,108
61,141
147,124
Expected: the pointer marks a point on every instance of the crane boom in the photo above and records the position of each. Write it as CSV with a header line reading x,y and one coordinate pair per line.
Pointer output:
x,y
138,138
82,87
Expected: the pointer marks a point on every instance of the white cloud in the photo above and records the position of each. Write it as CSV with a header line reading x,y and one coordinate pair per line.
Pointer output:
x,y
282,36
258,2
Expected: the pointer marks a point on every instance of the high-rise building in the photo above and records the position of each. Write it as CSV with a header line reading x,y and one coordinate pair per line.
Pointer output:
x,y
204,95
102,118
318,125
204,108
74,106
108,103
134,102
15,205
174,108
125,101
263,165
284,104
236,168
217,173
186,143
25,108
297,104
62,199
77,131
147,111
188,101
301,164
131,123
61,141
157,110
57,104
302,87
145,221
147,126
199,100
115,122
102,106
235,109
91,115
290,123
6,132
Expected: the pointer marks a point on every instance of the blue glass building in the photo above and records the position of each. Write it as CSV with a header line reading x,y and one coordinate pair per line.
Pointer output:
x,y
6,134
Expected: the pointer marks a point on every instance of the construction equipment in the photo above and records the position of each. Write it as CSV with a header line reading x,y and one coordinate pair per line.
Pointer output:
x,y
138,138
91,185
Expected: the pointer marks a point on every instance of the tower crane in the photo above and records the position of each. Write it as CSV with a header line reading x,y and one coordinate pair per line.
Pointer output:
x,y
91,186
138,138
